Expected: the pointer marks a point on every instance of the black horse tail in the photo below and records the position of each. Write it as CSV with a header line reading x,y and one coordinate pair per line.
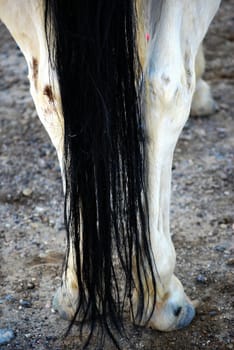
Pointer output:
x,y
92,45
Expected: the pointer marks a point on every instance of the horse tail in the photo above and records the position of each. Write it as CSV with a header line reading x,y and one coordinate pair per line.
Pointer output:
x,y
93,48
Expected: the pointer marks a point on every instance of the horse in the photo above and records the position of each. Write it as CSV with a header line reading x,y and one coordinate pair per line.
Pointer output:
x,y
113,84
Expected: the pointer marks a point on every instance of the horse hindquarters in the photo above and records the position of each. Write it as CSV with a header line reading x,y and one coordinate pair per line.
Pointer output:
x,y
169,78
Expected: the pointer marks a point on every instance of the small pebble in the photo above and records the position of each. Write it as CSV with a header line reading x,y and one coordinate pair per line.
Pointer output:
x,y
40,210
27,192
6,335
220,248
213,313
25,303
223,225
230,262
9,297
30,285
201,279
27,335
48,305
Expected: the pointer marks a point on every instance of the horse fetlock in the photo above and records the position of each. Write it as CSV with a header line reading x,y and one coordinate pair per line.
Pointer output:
x,y
172,311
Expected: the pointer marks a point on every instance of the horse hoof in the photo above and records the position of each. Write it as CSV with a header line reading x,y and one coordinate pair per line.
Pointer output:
x,y
172,316
65,302
173,311
205,110
186,316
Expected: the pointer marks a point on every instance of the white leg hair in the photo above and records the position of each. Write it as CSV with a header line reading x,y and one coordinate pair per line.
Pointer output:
x,y
169,73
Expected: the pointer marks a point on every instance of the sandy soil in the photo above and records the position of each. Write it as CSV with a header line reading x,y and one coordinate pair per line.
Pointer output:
x,y
32,238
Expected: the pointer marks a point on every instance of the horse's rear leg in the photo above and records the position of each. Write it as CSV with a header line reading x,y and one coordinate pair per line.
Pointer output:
x,y
170,77
47,102
167,107
26,26
28,32
66,298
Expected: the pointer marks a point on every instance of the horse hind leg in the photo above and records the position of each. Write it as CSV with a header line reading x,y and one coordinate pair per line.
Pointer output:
x,y
65,300
169,77
46,97
166,110
47,103
66,297
45,93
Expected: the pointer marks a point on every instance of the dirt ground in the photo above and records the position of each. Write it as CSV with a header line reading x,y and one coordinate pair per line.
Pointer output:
x,y
32,237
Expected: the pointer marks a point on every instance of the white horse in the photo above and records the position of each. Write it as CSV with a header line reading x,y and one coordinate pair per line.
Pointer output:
x,y
169,41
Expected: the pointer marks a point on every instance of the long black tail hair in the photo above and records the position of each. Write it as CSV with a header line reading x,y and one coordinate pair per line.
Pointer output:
x,y
92,45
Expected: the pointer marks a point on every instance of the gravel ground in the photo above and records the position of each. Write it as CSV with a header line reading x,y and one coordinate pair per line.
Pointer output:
x,y
32,237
